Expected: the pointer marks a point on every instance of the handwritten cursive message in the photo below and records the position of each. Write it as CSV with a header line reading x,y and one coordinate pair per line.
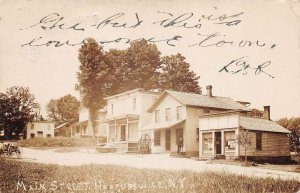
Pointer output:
x,y
195,23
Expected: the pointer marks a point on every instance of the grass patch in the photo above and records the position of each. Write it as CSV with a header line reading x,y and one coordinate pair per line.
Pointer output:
x,y
57,142
16,176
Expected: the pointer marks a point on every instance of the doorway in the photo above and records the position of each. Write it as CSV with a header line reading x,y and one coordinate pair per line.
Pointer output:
x,y
168,140
123,132
218,142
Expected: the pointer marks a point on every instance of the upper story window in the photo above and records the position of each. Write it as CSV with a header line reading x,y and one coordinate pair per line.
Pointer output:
x,y
32,126
112,108
134,104
168,114
179,112
157,116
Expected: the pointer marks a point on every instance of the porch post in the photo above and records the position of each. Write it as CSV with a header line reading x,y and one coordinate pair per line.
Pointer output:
x,y
213,145
237,147
116,135
107,132
71,131
126,129
200,144
222,142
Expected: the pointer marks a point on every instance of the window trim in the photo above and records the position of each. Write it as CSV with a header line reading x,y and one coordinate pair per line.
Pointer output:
x,y
168,118
157,116
258,141
157,136
179,116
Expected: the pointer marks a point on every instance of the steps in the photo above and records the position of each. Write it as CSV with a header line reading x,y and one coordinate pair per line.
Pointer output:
x,y
132,147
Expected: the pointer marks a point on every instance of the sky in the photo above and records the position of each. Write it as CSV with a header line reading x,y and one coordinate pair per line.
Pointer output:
x,y
247,50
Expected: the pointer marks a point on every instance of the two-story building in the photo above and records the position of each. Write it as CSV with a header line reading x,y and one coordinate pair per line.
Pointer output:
x,y
175,115
40,129
127,115
83,128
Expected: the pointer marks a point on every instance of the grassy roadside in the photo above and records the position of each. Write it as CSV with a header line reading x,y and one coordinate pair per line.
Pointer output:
x,y
57,142
16,176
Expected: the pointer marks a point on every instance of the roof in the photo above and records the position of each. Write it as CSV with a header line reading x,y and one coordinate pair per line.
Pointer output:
x,y
164,126
191,99
61,125
259,124
132,91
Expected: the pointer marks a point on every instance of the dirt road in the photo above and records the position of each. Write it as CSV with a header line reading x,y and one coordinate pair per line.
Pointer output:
x,y
152,161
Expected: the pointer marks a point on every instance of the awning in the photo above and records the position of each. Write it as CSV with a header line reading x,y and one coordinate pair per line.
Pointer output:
x,y
164,126
122,116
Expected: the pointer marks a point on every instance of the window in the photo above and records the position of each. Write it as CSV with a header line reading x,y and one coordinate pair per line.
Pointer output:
x,y
112,108
40,133
156,138
32,135
48,135
157,116
134,104
84,129
168,114
229,140
197,135
207,141
258,141
32,126
179,112
132,129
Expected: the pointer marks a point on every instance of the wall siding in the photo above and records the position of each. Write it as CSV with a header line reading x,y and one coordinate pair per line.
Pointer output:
x,y
273,144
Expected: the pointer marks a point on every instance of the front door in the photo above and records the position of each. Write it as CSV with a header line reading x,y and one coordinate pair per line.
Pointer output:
x,y
123,132
168,140
218,142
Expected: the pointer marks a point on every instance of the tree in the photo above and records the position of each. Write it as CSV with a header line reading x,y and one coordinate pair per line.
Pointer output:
x,y
17,108
135,67
256,113
93,77
63,109
292,124
176,75
244,139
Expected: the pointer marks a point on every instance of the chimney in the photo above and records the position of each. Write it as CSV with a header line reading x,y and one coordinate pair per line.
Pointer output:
x,y
209,90
267,112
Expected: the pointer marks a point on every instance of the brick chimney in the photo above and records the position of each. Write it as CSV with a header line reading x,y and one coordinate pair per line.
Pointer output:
x,y
209,90
267,112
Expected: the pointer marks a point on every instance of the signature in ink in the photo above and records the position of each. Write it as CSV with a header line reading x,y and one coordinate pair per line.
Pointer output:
x,y
240,65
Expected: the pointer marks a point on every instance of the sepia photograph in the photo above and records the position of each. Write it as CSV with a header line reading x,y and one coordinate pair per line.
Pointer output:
x,y
173,96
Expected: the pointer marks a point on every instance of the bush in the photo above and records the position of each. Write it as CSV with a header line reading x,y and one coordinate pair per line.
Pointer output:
x,y
108,178
57,142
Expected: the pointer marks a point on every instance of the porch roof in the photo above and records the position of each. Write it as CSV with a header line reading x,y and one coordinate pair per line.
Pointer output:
x,y
164,126
79,123
122,116
259,124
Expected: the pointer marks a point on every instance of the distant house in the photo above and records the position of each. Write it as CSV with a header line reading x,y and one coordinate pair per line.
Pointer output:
x,y
40,129
83,128
175,115
127,115
218,132
62,130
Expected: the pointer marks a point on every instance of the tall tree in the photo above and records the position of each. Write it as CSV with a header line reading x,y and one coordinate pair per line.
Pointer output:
x,y
17,108
93,77
176,75
63,109
290,124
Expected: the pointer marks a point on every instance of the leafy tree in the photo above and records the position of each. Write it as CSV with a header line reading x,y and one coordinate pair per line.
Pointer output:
x,y
135,67
93,77
63,109
256,113
244,139
292,124
17,108
176,75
